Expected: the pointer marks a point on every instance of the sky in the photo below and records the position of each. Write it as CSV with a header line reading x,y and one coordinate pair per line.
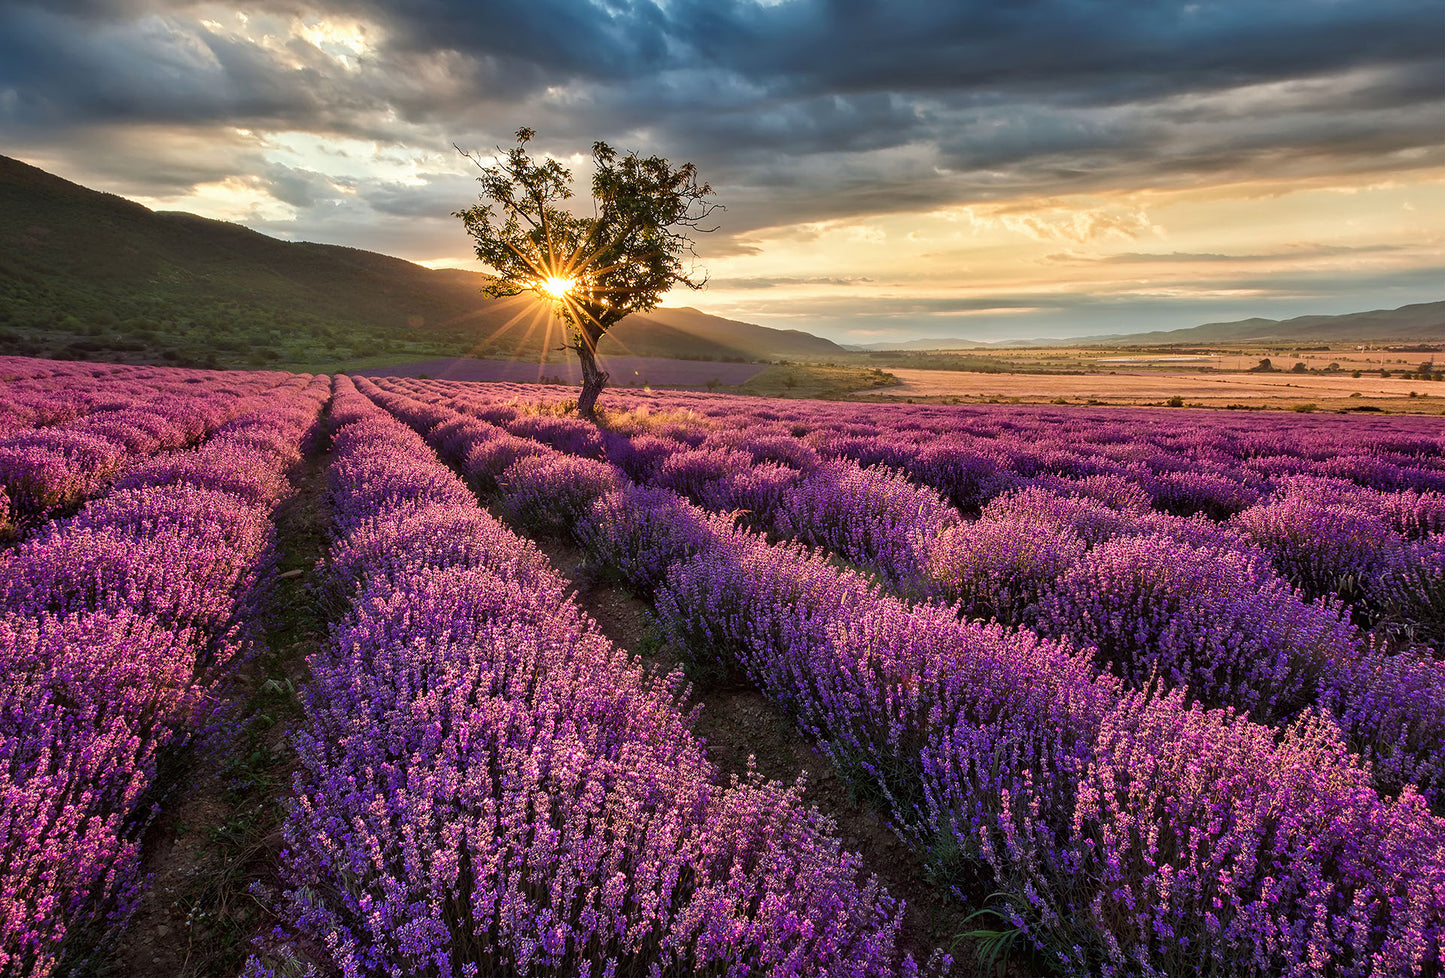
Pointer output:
x,y
889,170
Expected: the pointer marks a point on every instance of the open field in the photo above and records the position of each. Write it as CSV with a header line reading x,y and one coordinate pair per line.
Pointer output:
x,y
1233,358
623,371
764,380
1077,376
415,676
1212,389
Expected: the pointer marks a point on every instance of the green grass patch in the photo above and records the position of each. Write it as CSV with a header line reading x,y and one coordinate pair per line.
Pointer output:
x,y
806,380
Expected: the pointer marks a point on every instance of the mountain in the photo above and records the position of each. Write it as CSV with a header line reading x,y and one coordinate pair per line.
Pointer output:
x,y
728,333
85,274
1422,321
929,344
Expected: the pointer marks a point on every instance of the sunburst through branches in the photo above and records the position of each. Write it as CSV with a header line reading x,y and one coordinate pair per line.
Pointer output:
x,y
594,270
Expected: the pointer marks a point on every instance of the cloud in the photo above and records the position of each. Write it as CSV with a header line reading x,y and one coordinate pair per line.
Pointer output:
x,y
301,188
1293,254
761,282
813,96
1051,120
1048,221
433,195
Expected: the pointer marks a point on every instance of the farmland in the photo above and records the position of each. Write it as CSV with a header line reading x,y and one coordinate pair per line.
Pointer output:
x,y
1161,691
1137,386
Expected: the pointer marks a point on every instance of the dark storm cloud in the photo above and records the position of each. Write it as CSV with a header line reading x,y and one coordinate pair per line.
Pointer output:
x,y
1079,51
564,38
814,75
438,194
66,72
302,188
803,111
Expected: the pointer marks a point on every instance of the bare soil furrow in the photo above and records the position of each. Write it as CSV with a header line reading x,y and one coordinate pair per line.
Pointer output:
x,y
221,831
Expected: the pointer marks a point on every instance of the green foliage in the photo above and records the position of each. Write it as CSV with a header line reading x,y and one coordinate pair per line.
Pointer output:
x,y
622,259
86,275
812,381
994,945
618,261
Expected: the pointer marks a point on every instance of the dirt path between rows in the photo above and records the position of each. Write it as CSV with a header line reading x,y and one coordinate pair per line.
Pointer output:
x,y
220,832
741,724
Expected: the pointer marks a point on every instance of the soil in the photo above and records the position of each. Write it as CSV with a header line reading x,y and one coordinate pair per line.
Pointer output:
x,y
220,832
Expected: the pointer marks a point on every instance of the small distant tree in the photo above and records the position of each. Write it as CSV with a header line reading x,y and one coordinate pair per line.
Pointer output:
x,y
596,269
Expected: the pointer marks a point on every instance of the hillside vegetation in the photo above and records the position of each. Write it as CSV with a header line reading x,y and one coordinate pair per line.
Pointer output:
x,y
89,275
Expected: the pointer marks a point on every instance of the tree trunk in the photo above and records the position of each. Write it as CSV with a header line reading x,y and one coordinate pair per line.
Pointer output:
x,y
593,377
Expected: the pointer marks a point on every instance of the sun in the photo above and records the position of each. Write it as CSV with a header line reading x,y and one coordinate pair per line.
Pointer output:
x,y
558,287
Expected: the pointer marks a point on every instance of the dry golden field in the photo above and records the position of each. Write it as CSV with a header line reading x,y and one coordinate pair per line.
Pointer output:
x,y
1213,388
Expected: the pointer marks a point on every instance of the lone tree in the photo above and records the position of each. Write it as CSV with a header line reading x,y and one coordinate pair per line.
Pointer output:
x,y
594,270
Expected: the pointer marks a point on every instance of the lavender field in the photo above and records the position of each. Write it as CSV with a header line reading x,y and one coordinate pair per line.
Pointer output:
x,y
1162,691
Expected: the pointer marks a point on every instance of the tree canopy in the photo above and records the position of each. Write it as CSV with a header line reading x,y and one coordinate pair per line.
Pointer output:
x,y
595,269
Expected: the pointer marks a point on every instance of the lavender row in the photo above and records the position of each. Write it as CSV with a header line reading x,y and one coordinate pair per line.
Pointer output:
x,y
1317,531
60,465
1375,549
1364,488
15,368
1135,833
1391,466
1187,600
52,392
972,454
871,517
1004,755
489,786
1155,595
1186,604
118,627
967,447
1385,552
1338,516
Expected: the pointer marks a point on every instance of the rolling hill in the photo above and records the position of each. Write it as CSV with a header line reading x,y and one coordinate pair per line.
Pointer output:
x,y
90,275
1422,322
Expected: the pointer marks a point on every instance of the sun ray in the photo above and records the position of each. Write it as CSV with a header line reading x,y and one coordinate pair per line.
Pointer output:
x,y
626,350
539,317
496,334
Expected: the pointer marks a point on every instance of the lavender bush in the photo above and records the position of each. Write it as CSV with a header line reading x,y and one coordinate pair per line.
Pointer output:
x,y
1135,830
119,624
489,786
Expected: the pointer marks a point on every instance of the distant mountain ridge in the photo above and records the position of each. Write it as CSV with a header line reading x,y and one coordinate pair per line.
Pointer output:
x,y
1418,322
87,273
